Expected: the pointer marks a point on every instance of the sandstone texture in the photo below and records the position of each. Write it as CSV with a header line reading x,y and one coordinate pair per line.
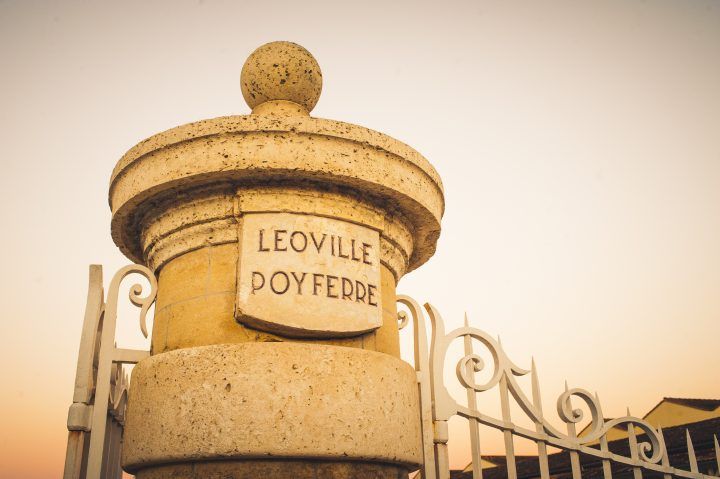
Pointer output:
x,y
281,71
272,400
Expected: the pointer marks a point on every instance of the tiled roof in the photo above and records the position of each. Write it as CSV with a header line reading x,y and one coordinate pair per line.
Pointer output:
x,y
704,404
528,467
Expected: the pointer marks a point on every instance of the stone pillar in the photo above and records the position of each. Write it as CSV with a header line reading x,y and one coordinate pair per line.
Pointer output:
x,y
277,239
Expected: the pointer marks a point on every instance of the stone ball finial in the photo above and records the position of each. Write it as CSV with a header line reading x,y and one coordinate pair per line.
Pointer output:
x,y
281,71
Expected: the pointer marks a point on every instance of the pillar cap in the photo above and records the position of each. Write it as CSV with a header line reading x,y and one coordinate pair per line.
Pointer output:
x,y
278,144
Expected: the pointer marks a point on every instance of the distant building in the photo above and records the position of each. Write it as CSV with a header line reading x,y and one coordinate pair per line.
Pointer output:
x,y
676,416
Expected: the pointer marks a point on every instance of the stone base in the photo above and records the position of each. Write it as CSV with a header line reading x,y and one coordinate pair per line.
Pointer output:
x,y
274,469
306,403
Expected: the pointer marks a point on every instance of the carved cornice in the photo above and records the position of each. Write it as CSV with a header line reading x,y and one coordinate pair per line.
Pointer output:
x,y
241,151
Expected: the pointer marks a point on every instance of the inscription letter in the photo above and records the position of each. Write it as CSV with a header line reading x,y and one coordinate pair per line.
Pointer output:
x,y
347,288
298,234
366,253
279,238
260,241
331,286
371,294
272,282
360,298
316,283
255,286
299,281
314,240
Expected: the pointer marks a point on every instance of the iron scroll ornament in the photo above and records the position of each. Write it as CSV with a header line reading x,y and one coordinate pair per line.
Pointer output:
x,y
135,293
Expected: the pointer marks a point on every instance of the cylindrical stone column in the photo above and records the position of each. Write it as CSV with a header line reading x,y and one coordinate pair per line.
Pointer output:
x,y
277,239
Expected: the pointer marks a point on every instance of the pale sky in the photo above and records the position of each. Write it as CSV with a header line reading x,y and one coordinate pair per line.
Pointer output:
x,y
578,142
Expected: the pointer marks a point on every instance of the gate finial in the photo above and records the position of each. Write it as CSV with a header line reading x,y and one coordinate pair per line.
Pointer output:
x,y
281,71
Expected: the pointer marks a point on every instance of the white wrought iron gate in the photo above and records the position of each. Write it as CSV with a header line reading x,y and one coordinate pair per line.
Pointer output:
x,y
646,453
96,417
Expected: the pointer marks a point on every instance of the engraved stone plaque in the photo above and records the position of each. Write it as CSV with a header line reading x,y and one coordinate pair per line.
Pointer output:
x,y
308,276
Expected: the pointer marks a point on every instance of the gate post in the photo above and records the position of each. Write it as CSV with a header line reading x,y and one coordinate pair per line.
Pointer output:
x,y
276,238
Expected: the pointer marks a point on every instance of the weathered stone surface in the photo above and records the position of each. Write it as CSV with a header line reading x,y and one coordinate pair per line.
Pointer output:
x,y
196,306
234,153
279,400
281,71
308,276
